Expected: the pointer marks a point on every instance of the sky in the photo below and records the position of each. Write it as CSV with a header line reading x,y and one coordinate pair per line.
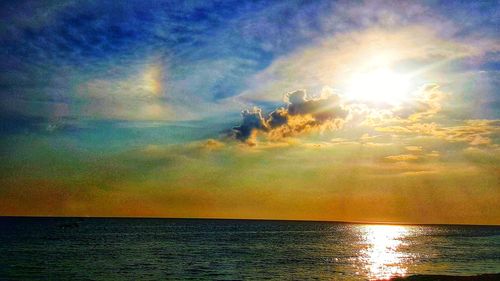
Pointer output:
x,y
366,111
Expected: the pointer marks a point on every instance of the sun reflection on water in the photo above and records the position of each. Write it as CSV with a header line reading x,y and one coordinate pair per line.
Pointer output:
x,y
382,257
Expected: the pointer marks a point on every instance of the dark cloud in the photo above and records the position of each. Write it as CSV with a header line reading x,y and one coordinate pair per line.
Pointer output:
x,y
278,117
252,120
322,109
301,115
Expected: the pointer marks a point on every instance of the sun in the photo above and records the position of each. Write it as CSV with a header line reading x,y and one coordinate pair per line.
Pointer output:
x,y
378,85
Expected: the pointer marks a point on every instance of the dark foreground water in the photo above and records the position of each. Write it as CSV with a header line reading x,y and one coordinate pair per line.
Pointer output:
x,y
172,249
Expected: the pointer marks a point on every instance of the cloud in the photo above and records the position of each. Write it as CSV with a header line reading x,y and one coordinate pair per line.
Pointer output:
x,y
301,115
212,144
414,148
474,132
423,105
428,103
252,121
483,155
433,153
415,153
402,157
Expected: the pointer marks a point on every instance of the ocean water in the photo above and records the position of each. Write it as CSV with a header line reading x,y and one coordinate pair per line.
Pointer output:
x,y
185,249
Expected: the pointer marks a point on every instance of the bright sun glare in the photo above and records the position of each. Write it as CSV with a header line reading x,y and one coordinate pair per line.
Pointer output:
x,y
383,259
378,85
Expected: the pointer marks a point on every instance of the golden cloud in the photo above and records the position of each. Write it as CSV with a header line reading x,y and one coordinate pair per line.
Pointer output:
x,y
402,157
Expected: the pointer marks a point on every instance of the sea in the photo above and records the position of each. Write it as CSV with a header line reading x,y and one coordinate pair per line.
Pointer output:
x,y
213,249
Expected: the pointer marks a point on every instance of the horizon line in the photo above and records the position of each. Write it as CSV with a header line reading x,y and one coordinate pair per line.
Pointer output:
x,y
251,219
